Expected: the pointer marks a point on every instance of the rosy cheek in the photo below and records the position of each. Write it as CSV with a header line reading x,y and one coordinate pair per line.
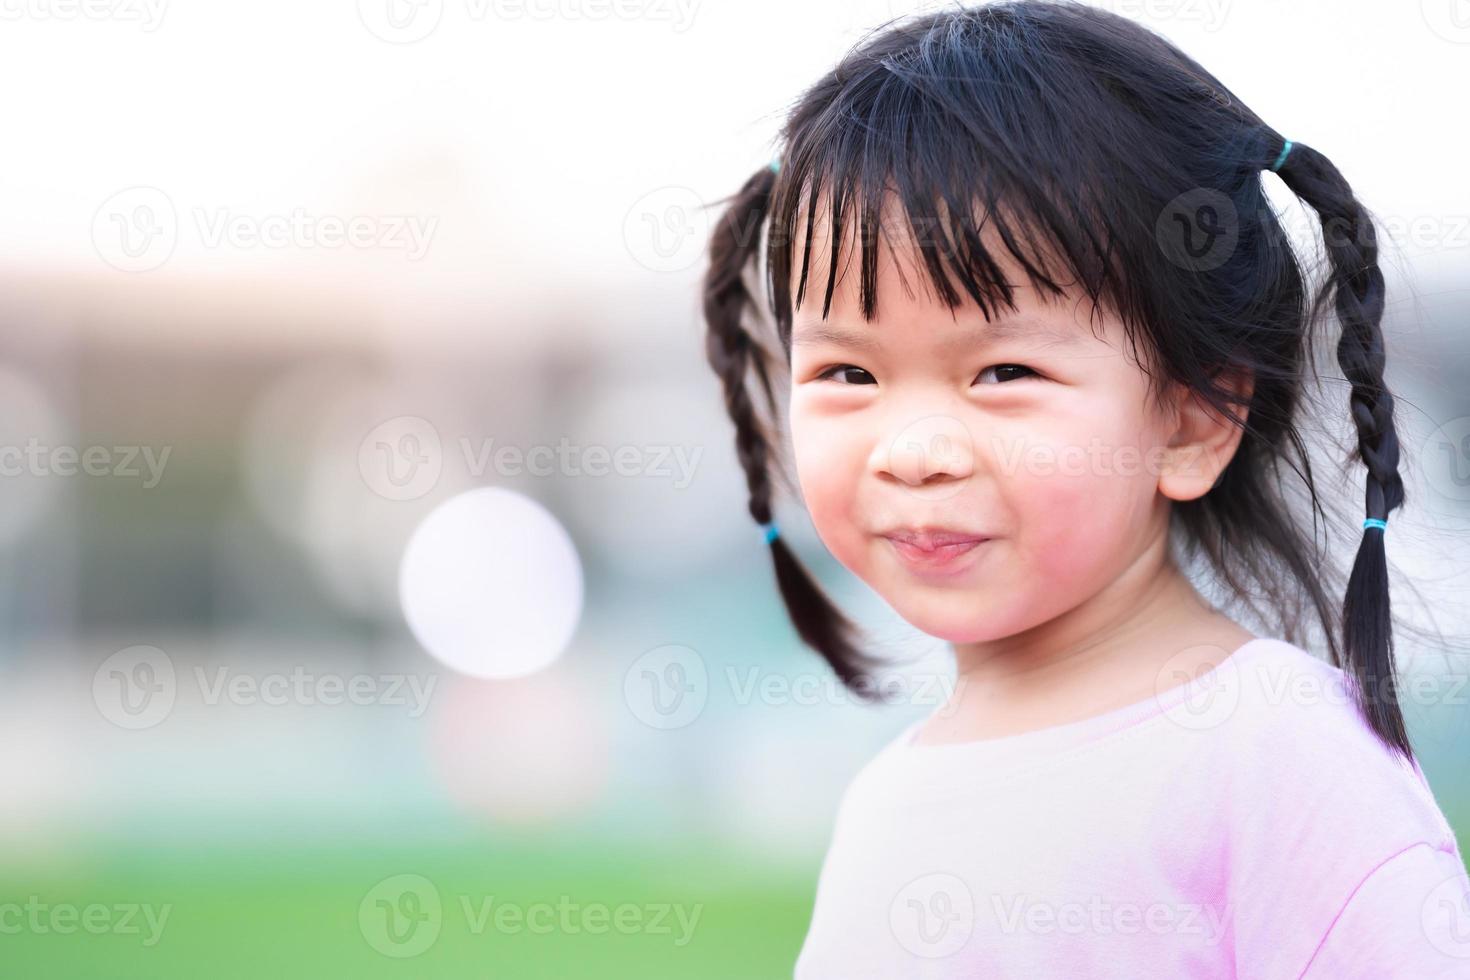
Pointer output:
x,y
828,478
1078,513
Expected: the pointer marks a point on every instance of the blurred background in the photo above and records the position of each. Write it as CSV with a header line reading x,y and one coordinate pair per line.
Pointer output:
x,y
373,550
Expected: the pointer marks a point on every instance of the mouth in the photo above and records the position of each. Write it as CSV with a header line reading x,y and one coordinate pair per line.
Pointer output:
x,y
935,550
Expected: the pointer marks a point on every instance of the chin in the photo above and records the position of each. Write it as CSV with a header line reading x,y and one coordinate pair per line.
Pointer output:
x,y
956,620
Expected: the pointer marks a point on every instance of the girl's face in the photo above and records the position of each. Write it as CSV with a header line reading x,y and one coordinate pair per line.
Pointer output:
x,y
1028,434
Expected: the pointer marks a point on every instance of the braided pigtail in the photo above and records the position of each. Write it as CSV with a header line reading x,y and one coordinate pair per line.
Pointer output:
x,y
732,352
1356,287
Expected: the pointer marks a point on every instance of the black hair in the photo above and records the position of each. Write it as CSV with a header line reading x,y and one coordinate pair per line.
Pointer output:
x,y
1089,142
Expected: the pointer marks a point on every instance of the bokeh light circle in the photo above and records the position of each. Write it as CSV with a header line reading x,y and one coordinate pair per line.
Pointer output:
x,y
491,584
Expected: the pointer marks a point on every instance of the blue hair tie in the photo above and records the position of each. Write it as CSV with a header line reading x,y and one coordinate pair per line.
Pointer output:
x,y
1375,522
770,530
776,165
1281,159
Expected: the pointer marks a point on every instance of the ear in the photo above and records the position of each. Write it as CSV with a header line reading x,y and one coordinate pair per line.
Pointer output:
x,y
1202,442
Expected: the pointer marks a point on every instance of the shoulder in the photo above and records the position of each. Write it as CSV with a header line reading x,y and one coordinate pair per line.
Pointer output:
x,y
1283,690
1313,802
1297,724
1409,917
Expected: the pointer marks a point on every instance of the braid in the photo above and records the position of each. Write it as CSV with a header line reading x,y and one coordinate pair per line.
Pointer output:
x,y
731,352
1356,285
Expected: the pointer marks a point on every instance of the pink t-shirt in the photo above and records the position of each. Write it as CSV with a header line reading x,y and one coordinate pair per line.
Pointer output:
x,y
1246,823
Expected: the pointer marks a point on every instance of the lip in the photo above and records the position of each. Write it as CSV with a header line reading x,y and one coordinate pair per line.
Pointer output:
x,y
936,551
929,537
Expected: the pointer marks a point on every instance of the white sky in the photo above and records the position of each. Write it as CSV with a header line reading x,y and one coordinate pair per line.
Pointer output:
x,y
527,140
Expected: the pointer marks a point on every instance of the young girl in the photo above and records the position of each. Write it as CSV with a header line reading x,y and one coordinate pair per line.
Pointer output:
x,y
1068,365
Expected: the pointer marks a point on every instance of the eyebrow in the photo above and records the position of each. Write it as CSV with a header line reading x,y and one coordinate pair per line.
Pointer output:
x,y
1000,330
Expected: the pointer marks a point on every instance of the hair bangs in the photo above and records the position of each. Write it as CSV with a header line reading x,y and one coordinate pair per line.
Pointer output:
x,y
970,208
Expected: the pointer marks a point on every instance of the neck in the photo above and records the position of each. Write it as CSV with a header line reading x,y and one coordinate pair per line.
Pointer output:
x,y
1129,629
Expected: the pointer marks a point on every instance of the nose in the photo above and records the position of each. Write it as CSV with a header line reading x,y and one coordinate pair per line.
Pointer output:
x,y
928,451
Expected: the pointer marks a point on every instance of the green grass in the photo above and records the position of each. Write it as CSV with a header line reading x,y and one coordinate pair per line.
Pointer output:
x,y
286,914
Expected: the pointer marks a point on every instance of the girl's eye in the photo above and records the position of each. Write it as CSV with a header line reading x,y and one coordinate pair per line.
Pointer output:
x,y
1003,373
1007,372
838,368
